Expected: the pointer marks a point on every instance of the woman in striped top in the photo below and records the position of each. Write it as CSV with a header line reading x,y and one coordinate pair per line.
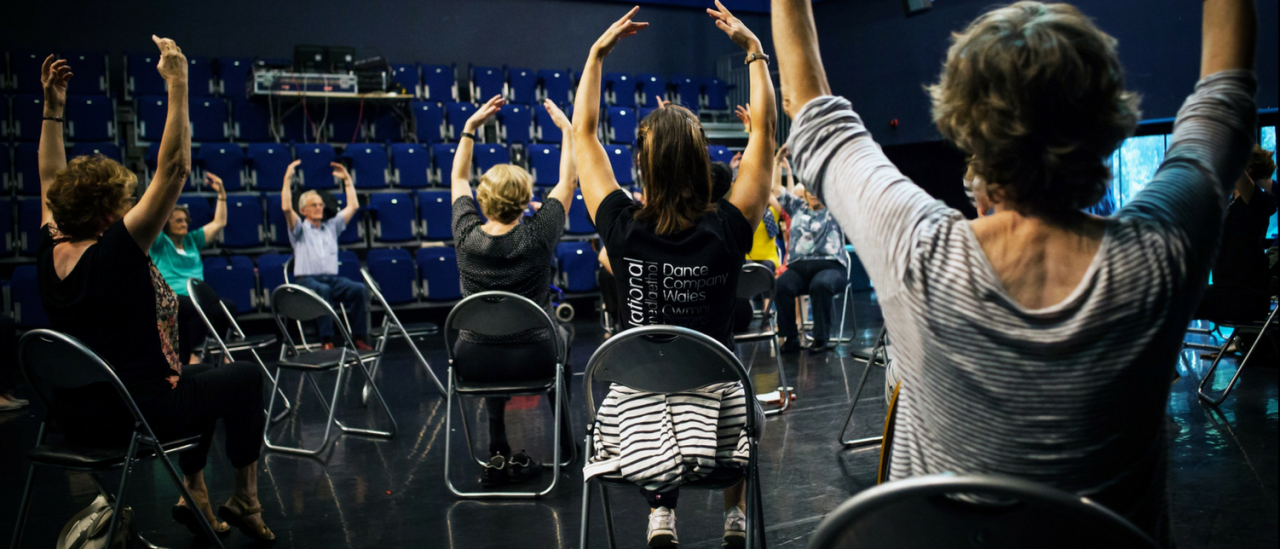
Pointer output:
x,y
1039,341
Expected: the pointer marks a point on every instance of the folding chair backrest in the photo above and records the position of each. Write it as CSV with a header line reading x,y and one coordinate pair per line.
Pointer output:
x,y
756,280
497,314
663,359
1003,512
50,358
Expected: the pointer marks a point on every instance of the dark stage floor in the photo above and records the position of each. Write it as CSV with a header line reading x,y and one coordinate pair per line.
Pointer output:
x,y
390,493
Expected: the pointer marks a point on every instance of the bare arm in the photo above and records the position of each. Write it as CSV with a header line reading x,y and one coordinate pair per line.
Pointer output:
x,y
795,40
54,76
148,217
286,195
1230,31
461,185
594,171
214,228
563,191
353,201
750,193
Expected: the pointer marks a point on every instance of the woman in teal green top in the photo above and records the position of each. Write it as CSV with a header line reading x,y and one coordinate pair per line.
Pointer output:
x,y
176,253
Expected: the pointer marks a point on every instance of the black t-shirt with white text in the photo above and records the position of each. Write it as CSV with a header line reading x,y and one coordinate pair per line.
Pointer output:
x,y
688,278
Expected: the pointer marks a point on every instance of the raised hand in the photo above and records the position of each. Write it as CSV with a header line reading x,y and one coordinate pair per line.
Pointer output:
x,y
737,31
172,65
744,114
488,109
557,116
214,182
340,171
54,76
620,29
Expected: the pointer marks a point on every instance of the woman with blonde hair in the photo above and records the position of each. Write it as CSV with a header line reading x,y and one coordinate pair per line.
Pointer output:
x,y
1038,341
502,252
99,285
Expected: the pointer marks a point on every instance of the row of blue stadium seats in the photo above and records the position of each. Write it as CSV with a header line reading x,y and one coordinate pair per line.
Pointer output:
x,y
428,275
232,77
255,220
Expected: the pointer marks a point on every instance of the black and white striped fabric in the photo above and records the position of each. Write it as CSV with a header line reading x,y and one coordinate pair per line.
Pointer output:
x,y
1072,395
662,440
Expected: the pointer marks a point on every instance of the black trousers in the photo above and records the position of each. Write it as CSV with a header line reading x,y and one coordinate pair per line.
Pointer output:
x,y
205,394
8,354
191,328
820,279
483,362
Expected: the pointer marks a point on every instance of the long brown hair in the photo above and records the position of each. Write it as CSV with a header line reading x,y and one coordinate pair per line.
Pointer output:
x,y
675,169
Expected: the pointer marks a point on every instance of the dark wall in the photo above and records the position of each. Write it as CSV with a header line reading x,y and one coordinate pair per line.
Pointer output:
x,y
881,59
527,33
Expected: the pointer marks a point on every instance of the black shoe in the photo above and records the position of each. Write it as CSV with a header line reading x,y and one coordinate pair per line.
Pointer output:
x,y
522,468
792,345
495,472
820,347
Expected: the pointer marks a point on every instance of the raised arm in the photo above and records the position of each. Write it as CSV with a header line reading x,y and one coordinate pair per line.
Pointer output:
x,y
353,201
54,76
461,185
594,171
563,191
214,228
145,221
286,195
795,40
751,190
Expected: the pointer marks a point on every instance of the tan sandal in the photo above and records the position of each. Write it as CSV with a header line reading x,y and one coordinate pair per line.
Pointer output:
x,y
235,517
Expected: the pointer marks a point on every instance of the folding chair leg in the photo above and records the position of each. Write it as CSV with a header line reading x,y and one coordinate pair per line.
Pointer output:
x,y
186,496
25,506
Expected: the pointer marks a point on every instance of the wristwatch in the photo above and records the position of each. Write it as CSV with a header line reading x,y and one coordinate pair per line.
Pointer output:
x,y
753,56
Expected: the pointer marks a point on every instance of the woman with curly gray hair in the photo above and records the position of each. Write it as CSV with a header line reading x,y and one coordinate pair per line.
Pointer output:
x,y
1037,341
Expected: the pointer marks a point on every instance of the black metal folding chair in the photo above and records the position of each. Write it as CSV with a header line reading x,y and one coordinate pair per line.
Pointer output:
x,y
500,314
758,281
296,303
879,357
668,359
392,327
52,359
993,512
207,303
1260,329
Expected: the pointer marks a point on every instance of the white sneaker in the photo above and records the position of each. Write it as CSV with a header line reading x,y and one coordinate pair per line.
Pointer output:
x,y
735,528
662,528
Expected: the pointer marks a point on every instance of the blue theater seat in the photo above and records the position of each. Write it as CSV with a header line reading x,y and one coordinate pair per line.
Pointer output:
x,y
277,229
354,233
369,166
26,168
439,83
245,227
394,217
579,219
688,92
716,93
435,211
619,89
271,273
8,238
315,170
349,266
27,111
522,86
412,164
200,80
90,118
620,160
578,265
487,82
209,119
28,225
234,75
442,162
251,121
719,153
652,87
396,274
109,150
515,123
233,278
387,126
268,163
556,85
152,111
152,157
622,125
24,291
488,155
141,76
439,268
24,71
455,116
91,70
428,119
225,160
544,164
201,211
408,77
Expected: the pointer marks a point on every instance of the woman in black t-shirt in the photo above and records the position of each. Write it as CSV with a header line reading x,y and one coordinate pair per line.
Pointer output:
x,y
99,285
677,257
501,253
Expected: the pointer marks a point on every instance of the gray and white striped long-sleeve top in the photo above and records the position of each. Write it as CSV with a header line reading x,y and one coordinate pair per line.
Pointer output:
x,y
1071,395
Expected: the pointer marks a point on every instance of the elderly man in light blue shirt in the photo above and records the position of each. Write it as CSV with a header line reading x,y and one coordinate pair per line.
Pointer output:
x,y
315,253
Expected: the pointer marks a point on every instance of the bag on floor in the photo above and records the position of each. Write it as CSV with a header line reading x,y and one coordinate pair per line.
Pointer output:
x,y
88,528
